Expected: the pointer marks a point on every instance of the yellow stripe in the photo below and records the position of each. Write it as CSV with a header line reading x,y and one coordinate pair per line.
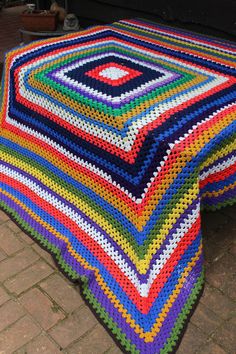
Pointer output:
x,y
79,203
94,114
185,156
157,326
148,336
221,152
181,42
140,221
220,192
142,265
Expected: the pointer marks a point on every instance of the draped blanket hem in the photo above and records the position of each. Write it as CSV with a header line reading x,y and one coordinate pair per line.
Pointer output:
x,y
111,141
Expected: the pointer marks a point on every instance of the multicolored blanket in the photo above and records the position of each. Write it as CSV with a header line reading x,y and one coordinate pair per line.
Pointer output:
x,y
111,141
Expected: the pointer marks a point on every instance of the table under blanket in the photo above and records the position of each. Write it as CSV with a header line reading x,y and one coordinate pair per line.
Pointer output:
x,y
112,139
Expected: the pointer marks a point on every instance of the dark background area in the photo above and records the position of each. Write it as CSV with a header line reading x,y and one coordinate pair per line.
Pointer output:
x,y
217,17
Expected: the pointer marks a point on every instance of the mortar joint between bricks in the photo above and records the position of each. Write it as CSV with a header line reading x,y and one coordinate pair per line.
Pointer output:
x,y
221,291
82,336
22,270
24,347
37,286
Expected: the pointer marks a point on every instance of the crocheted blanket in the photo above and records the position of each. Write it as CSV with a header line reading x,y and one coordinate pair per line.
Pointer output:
x,y
111,141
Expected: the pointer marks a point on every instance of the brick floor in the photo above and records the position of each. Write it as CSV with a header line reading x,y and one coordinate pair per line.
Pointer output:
x,y
41,312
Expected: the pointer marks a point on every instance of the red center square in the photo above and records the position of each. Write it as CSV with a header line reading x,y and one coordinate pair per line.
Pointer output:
x,y
113,74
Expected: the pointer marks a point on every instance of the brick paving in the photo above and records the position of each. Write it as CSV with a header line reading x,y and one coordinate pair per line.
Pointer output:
x,y
42,312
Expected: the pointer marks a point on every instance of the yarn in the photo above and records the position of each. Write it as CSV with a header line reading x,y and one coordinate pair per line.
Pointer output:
x,y
112,139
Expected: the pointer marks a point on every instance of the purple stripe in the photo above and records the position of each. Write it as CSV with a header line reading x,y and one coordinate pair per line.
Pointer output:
x,y
157,344
78,211
220,160
108,101
168,240
142,277
33,223
173,77
221,198
178,305
94,287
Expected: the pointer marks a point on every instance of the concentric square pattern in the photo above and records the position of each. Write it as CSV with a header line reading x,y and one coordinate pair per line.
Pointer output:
x,y
112,73
111,141
127,87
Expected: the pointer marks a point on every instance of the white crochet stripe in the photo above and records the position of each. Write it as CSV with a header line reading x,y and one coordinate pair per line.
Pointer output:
x,y
145,39
142,288
59,40
180,37
218,167
113,73
100,172
84,163
168,251
127,142
109,136
198,124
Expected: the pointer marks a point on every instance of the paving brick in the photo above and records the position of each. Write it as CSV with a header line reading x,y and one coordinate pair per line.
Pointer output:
x,y
42,345
3,296
18,335
8,241
211,348
232,249
233,319
62,292
115,350
229,287
219,243
14,265
41,308
45,255
192,341
213,222
226,337
13,226
2,255
28,277
205,319
96,342
217,246
230,211
3,217
72,328
218,273
10,312
217,302
25,238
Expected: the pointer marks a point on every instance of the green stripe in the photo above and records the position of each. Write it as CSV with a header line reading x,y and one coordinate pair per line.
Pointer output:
x,y
183,316
55,251
139,250
110,323
189,45
62,183
121,337
219,205
102,107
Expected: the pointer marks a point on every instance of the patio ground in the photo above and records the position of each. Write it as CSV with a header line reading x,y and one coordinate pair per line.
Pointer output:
x,y
41,312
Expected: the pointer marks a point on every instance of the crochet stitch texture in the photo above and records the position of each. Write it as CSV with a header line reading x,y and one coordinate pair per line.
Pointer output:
x,y
111,141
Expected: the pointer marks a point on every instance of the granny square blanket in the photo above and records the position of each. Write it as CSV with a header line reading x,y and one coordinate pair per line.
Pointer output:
x,y
112,139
